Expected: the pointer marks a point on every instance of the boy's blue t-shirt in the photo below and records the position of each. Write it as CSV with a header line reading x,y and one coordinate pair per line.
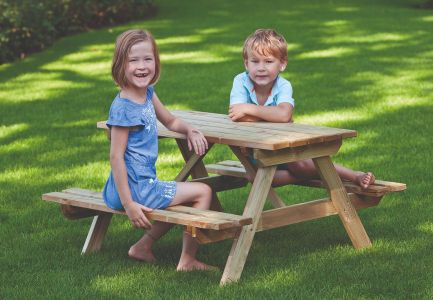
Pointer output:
x,y
243,91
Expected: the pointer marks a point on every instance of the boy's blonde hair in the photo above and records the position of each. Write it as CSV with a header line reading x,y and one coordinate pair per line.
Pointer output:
x,y
124,42
266,42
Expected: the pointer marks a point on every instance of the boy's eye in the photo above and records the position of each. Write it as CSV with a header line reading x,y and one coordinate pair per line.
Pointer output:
x,y
269,61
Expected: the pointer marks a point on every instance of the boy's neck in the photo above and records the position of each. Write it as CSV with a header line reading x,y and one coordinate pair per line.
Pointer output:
x,y
263,92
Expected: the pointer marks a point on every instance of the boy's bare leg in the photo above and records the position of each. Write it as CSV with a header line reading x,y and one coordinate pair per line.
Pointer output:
x,y
283,177
306,170
142,249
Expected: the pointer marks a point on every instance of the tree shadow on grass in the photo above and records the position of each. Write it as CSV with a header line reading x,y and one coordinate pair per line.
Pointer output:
x,y
52,143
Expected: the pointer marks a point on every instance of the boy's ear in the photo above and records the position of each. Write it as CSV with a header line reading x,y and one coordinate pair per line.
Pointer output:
x,y
245,64
283,66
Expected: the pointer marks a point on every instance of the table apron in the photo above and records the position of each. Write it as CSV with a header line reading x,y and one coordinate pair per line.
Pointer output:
x,y
274,157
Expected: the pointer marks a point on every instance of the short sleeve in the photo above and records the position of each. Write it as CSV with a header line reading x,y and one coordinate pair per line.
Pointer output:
x,y
285,94
238,93
123,114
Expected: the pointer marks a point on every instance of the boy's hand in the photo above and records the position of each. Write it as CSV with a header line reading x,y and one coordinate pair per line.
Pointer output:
x,y
197,141
135,212
238,111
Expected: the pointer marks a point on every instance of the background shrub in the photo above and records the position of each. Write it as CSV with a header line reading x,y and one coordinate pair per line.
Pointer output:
x,y
28,26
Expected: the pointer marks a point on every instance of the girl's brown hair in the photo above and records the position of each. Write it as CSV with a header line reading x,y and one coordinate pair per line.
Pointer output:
x,y
124,42
266,42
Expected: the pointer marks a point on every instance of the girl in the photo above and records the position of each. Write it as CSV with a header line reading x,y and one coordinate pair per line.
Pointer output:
x,y
132,184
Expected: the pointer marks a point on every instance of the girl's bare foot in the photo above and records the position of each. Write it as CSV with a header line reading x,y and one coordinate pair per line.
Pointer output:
x,y
195,265
142,251
365,179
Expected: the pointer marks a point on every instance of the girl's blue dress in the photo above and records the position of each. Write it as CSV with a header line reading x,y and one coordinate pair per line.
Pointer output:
x,y
140,155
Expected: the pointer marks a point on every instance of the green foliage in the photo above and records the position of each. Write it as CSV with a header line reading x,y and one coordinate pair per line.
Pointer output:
x,y
28,26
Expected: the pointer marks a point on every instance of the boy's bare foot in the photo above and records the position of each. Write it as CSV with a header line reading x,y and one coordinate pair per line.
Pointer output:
x,y
195,265
365,179
142,252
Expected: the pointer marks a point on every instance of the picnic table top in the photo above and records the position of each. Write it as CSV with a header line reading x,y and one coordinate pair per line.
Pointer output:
x,y
220,129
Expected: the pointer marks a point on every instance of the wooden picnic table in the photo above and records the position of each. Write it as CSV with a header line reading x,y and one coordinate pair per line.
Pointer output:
x,y
271,144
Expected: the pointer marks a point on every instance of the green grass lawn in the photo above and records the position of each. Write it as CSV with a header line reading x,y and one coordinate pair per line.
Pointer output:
x,y
363,65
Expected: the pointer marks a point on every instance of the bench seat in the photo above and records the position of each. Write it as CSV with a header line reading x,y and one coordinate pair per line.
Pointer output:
x,y
80,203
377,189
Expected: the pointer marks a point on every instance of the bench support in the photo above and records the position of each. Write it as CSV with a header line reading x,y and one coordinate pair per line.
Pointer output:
x,y
97,232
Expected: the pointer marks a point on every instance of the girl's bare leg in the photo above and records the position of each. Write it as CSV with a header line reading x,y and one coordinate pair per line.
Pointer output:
x,y
142,249
200,196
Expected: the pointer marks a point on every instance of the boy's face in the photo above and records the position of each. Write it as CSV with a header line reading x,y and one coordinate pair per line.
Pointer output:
x,y
263,69
140,67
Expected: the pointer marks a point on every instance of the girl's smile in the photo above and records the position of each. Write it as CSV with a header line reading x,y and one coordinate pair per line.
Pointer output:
x,y
140,68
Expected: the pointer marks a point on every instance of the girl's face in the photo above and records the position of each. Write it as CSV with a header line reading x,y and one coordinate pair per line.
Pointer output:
x,y
263,69
140,67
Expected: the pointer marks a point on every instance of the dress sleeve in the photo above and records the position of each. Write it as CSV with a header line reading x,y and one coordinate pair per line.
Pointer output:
x,y
122,114
285,94
238,94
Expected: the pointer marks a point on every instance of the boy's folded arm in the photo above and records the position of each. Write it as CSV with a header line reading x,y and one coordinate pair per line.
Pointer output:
x,y
282,113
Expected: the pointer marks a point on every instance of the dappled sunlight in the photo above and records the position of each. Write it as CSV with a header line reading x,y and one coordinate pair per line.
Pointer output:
x,y
203,57
427,18
7,131
346,9
186,39
326,53
38,86
336,23
426,227
334,116
358,37
29,145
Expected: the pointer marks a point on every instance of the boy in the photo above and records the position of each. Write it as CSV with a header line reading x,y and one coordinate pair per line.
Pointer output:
x,y
260,94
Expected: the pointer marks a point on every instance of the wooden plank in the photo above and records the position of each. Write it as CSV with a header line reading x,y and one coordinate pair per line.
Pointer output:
x,y
239,220
96,233
341,202
198,171
157,215
377,189
269,158
288,215
307,211
251,169
221,183
253,208
262,135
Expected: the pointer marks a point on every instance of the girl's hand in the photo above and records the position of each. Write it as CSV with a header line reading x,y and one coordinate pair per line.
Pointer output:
x,y
135,212
197,141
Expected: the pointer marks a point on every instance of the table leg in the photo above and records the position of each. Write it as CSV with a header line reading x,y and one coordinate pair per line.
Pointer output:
x,y
198,170
253,208
342,203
